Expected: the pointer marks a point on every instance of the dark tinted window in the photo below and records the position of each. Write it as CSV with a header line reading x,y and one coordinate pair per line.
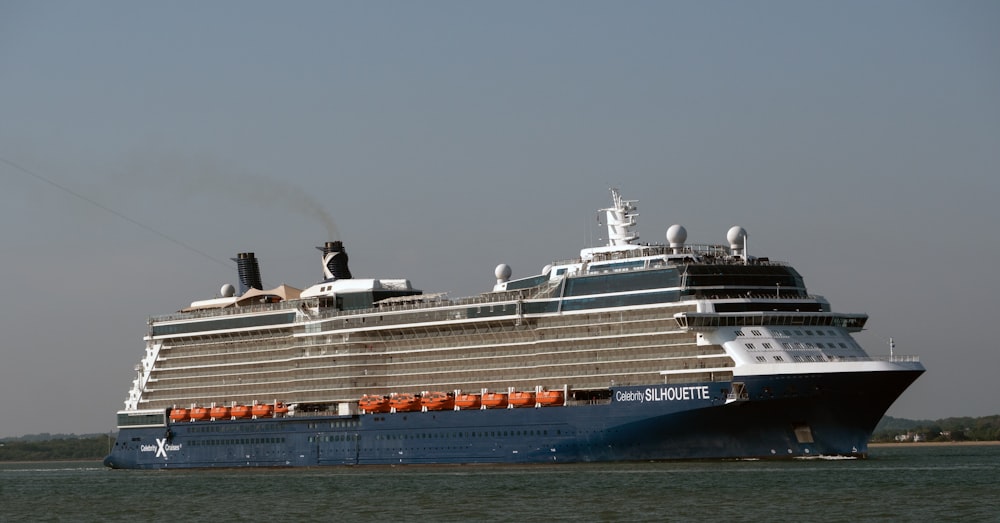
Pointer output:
x,y
622,282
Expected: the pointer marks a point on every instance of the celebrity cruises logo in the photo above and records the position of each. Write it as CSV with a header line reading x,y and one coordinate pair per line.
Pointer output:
x,y
161,448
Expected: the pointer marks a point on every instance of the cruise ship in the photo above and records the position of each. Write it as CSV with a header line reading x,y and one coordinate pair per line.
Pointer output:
x,y
631,351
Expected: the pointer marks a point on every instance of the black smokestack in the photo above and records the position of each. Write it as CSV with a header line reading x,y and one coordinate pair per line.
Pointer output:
x,y
246,263
335,261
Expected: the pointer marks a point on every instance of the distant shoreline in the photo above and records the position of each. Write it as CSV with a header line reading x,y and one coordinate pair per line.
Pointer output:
x,y
890,444
36,461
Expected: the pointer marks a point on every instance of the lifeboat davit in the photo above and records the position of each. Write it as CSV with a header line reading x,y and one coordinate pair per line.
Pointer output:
x,y
495,400
547,398
280,409
521,399
240,411
438,401
199,413
261,410
374,404
468,401
179,414
219,412
405,402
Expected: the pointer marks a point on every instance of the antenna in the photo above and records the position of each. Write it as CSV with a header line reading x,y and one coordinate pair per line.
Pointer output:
x,y
105,208
746,257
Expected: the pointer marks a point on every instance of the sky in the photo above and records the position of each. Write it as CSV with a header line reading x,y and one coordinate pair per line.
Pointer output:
x,y
144,144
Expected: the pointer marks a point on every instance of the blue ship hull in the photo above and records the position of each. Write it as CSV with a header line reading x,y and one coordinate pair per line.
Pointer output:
x,y
779,416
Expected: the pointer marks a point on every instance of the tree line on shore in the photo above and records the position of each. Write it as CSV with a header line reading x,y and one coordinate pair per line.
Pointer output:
x,y
60,447
56,447
986,428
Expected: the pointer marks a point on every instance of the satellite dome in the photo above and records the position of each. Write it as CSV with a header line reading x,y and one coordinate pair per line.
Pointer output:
x,y
547,269
502,273
737,237
227,291
677,235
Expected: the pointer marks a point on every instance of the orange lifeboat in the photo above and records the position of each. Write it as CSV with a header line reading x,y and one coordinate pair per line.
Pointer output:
x,y
438,401
280,409
405,402
240,411
547,398
179,415
199,413
495,400
261,410
374,404
468,401
219,412
522,399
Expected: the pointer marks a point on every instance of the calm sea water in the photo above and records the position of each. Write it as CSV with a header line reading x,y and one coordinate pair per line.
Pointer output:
x,y
907,484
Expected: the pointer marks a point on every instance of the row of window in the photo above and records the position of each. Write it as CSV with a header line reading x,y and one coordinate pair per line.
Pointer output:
x,y
466,435
338,437
157,419
336,424
435,435
809,357
799,346
240,427
228,323
241,441
258,427
855,322
778,333
624,282
776,277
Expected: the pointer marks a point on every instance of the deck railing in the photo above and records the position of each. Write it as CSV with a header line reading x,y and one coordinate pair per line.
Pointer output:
x,y
898,358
